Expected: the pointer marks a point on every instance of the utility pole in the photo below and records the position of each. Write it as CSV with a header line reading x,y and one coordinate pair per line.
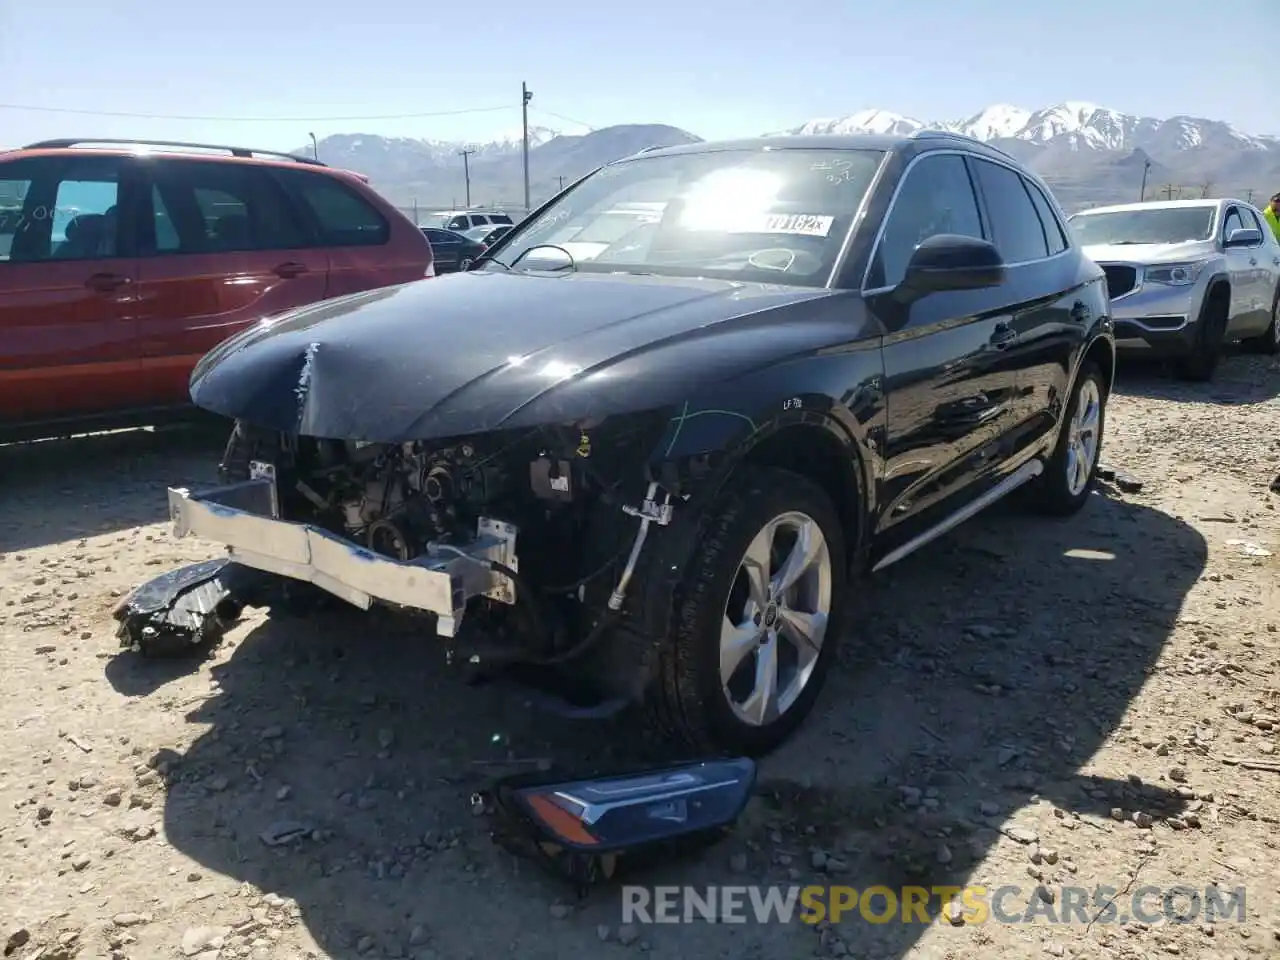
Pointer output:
x,y
525,96
1146,165
466,172
1249,198
415,212
1168,191
561,184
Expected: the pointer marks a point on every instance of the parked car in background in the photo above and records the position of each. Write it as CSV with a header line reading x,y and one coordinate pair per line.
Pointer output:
x,y
460,220
1187,276
124,262
452,251
489,235
650,474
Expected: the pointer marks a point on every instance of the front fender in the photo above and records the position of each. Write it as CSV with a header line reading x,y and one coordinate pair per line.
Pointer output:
x,y
839,390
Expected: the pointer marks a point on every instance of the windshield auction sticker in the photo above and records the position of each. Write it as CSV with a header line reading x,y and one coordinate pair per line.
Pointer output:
x,y
794,224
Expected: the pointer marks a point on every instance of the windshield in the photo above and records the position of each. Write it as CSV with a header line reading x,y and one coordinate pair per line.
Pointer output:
x,y
1156,225
777,216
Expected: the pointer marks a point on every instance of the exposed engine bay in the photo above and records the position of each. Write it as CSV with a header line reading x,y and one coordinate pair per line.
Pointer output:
x,y
397,499
581,526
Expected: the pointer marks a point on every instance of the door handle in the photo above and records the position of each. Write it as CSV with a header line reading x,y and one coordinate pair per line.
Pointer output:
x,y
1002,336
290,270
1253,261
107,282
1081,313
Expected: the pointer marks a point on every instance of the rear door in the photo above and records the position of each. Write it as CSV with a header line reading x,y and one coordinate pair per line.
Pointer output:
x,y
69,339
222,248
369,243
1046,308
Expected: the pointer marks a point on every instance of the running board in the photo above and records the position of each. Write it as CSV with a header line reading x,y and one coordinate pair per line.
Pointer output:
x,y
1025,473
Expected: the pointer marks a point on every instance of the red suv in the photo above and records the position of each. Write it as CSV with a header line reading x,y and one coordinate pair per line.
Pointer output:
x,y
123,262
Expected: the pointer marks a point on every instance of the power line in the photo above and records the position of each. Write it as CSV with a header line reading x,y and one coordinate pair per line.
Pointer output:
x,y
561,116
211,119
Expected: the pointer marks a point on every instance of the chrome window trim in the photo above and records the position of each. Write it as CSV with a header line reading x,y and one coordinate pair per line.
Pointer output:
x,y
893,202
858,216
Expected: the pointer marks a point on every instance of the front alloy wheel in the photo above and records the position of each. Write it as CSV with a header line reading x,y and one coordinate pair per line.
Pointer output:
x,y
755,620
775,619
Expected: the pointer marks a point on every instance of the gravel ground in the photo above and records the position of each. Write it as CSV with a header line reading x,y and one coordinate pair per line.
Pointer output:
x,y
1026,703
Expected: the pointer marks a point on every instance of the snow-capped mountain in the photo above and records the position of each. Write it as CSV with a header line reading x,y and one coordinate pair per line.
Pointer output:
x,y
1074,124
1088,154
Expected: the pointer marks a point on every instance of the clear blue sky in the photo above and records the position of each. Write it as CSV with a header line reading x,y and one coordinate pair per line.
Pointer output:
x,y
714,67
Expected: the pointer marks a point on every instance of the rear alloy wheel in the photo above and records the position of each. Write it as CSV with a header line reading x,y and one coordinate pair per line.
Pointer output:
x,y
756,621
1071,472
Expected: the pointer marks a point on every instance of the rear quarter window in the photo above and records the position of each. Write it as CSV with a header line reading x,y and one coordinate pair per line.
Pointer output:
x,y
342,217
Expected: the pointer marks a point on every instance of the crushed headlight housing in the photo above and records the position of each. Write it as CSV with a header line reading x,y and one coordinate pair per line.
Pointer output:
x,y
1174,274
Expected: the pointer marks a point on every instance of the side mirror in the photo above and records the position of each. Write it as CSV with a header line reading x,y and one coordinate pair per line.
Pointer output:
x,y
948,261
1243,237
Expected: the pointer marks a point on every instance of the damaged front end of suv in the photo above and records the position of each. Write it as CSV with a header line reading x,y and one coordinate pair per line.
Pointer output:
x,y
617,460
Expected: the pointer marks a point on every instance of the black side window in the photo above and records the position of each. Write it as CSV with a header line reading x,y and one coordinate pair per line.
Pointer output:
x,y
458,223
936,197
1015,226
1052,228
1231,221
344,218
441,236
60,210
499,218
199,207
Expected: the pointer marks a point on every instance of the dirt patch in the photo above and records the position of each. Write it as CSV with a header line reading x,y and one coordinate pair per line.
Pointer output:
x,y
1040,706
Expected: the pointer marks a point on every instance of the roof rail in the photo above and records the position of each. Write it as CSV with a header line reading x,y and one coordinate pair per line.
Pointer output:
x,y
63,144
950,135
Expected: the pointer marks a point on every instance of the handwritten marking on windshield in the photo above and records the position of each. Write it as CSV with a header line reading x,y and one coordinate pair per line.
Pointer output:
x,y
837,171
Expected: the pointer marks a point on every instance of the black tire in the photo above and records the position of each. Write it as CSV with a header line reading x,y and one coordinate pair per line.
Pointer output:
x,y
686,702
1051,492
1269,343
1199,365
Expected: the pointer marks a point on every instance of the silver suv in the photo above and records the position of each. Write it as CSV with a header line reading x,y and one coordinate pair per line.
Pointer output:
x,y
1187,276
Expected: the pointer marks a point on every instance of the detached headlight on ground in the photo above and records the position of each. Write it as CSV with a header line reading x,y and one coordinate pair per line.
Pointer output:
x,y
613,813
1175,274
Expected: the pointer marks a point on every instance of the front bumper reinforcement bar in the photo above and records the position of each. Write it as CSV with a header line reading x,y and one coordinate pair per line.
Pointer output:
x,y
245,517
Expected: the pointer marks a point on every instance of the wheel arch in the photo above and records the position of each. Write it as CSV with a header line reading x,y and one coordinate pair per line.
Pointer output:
x,y
807,442
1219,285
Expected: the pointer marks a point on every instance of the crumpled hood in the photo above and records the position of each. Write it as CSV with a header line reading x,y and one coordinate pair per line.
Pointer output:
x,y
1149,252
472,352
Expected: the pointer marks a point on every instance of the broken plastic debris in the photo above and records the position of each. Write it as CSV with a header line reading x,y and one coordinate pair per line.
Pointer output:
x,y
285,831
1248,548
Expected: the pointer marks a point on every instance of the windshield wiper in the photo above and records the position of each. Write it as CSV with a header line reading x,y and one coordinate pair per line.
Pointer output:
x,y
491,259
